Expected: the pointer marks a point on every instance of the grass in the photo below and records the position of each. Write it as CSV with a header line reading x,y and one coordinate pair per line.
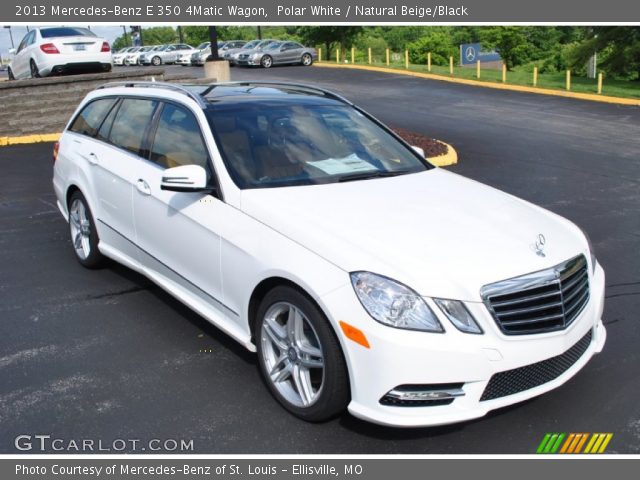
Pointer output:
x,y
554,81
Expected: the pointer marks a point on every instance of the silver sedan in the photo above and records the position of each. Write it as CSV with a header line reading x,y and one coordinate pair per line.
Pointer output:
x,y
278,53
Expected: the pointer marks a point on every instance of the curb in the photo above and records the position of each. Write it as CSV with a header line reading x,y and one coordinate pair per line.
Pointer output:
x,y
498,86
449,158
45,137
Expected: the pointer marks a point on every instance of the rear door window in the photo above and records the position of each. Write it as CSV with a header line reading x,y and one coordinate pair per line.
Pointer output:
x,y
131,123
90,118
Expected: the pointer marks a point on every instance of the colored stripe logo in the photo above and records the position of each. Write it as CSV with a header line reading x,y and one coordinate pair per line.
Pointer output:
x,y
574,443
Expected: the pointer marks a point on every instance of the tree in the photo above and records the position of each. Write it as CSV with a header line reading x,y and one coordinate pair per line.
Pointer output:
x,y
618,49
510,42
437,41
328,36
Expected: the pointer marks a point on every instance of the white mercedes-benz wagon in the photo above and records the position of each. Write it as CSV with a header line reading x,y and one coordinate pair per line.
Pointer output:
x,y
364,277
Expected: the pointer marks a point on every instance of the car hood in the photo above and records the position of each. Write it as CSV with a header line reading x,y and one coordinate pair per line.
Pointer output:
x,y
439,233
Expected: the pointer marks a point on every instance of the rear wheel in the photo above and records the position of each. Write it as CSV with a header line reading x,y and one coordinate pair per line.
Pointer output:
x,y
156,61
35,73
84,236
300,357
307,60
266,61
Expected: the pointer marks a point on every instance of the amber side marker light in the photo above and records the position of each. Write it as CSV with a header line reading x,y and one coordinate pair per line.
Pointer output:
x,y
355,334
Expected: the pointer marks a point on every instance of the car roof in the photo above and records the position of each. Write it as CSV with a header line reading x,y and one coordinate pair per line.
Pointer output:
x,y
217,95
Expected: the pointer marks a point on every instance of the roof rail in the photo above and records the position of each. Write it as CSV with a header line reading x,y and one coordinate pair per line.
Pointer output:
x,y
327,93
199,97
150,84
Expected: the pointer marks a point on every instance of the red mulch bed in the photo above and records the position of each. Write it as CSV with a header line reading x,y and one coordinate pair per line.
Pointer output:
x,y
431,146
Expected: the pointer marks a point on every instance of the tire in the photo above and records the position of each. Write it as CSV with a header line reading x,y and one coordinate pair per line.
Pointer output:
x,y
82,229
306,60
10,74
33,68
266,61
303,367
156,61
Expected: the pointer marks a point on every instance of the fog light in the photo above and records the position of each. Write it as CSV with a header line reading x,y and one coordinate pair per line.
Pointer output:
x,y
423,395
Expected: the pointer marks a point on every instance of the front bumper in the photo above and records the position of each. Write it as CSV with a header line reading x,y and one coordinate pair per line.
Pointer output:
x,y
400,357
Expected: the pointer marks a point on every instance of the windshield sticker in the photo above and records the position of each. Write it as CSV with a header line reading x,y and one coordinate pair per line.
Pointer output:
x,y
339,166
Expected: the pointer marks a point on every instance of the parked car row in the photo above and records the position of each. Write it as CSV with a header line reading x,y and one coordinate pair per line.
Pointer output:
x,y
264,53
58,50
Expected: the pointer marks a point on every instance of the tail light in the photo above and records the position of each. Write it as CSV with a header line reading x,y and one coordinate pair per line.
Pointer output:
x,y
105,47
56,147
49,48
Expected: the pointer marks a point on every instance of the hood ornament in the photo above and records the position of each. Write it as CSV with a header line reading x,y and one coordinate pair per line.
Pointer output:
x,y
539,245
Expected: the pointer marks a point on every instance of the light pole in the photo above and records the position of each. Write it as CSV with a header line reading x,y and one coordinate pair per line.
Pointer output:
x,y
215,67
213,38
124,33
10,35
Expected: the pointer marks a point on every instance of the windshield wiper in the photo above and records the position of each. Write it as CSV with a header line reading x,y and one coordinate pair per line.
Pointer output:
x,y
368,175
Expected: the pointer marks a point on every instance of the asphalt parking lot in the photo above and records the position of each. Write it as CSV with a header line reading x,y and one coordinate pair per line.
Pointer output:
x,y
105,354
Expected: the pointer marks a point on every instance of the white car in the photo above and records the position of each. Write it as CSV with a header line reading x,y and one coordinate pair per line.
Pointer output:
x,y
133,58
165,54
59,50
364,277
118,57
184,59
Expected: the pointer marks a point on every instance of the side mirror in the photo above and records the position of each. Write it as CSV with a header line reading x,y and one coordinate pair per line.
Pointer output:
x,y
186,178
12,51
419,150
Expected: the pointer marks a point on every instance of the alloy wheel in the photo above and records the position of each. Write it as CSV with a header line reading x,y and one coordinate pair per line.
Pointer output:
x,y
292,354
80,229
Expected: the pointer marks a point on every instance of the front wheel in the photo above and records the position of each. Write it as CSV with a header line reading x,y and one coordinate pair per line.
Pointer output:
x,y
300,357
156,61
84,236
307,60
266,61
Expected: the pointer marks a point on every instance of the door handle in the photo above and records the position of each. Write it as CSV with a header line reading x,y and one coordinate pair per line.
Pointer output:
x,y
143,187
92,158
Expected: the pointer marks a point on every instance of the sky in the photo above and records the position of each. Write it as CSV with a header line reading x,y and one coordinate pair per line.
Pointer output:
x,y
108,32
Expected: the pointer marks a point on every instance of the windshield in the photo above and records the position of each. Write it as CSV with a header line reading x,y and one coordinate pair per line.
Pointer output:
x,y
251,44
264,43
269,144
66,32
202,46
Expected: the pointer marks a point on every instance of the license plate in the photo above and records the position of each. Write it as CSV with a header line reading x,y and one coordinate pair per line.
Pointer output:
x,y
79,48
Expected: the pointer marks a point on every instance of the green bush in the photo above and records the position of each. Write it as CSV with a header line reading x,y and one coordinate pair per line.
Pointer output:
x,y
438,43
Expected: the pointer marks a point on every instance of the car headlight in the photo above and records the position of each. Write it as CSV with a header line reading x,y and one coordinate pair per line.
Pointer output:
x,y
458,314
394,304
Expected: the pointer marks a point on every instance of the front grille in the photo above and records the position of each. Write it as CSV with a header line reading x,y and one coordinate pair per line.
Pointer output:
x,y
243,56
539,302
531,376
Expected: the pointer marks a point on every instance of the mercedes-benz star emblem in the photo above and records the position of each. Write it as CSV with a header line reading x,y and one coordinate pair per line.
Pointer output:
x,y
470,54
540,242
